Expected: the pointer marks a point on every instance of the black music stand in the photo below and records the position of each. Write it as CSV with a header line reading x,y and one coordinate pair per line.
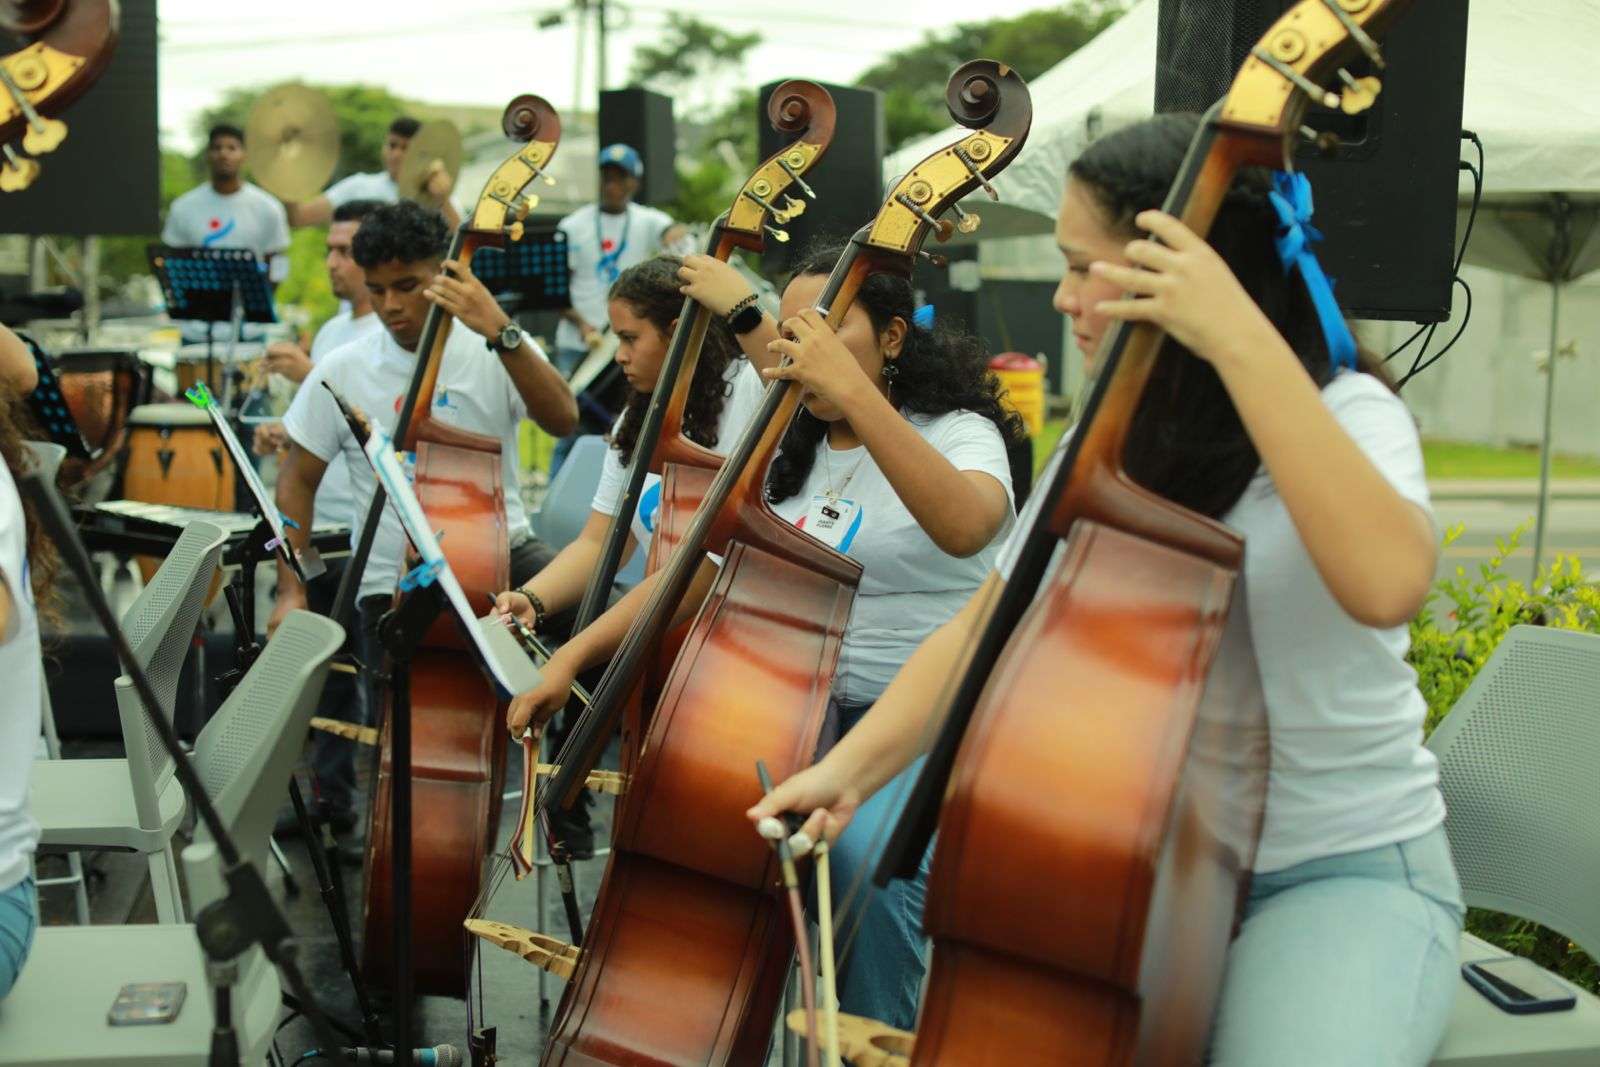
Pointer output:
x,y
213,285
534,270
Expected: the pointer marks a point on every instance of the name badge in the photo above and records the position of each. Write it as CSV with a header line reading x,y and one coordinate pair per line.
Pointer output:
x,y
833,522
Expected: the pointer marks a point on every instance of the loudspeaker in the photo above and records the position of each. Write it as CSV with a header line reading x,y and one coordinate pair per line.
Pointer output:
x,y
848,182
106,176
1386,197
643,119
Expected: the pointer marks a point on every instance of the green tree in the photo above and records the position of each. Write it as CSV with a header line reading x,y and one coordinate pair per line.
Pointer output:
x,y
913,79
691,53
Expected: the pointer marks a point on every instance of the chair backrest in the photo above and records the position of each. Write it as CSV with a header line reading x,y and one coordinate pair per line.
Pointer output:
x,y
160,627
47,457
565,507
245,754
1519,764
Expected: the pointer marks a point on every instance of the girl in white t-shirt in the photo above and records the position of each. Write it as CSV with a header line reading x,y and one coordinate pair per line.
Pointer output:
x,y
26,562
899,459
1347,952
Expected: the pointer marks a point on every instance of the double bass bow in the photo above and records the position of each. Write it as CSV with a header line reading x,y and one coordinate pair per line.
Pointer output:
x,y
1117,661
442,735
689,902
68,44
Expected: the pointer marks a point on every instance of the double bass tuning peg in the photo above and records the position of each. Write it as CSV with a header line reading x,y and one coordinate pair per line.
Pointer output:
x,y
17,172
1358,94
44,135
791,169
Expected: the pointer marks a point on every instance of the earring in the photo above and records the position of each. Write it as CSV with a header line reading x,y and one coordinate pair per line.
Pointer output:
x,y
890,370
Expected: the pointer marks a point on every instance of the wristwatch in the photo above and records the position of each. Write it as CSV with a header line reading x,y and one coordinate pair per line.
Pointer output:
x,y
745,318
508,340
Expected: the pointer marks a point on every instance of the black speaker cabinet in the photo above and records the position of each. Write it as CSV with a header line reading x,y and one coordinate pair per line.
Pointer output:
x,y
1386,197
106,176
643,119
848,182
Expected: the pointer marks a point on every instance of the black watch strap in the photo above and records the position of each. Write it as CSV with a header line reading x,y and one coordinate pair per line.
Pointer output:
x,y
746,320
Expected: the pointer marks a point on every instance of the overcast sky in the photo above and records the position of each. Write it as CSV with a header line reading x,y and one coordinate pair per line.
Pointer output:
x,y
487,51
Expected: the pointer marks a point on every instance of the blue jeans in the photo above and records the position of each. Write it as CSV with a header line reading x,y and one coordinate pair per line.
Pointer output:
x,y
881,960
1344,961
19,918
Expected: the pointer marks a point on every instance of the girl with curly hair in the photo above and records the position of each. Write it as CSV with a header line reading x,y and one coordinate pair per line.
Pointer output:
x,y
898,458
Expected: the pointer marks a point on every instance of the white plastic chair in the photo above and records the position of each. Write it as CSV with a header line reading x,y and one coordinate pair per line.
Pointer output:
x,y
56,1013
1519,759
565,507
135,803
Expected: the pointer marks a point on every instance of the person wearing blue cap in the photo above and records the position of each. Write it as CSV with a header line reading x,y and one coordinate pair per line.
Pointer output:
x,y
603,240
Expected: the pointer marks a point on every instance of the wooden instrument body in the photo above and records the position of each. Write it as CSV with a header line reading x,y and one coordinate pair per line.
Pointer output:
x,y
458,742
101,391
689,947
174,456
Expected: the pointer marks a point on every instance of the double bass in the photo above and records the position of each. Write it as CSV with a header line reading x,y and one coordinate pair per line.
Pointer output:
x,y
457,741
689,948
66,47
1100,776
800,108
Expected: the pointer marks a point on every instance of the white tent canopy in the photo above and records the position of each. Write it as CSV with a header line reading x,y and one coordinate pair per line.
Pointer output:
x,y
1530,95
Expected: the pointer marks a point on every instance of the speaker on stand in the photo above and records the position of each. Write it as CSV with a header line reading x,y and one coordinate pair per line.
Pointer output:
x,y
643,119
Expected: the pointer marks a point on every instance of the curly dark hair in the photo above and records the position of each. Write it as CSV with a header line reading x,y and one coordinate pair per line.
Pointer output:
x,y
941,370
650,289
405,232
1187,442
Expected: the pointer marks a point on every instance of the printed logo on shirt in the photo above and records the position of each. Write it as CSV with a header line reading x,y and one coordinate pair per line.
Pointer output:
x,y
218,232
441,399
650,507
607,244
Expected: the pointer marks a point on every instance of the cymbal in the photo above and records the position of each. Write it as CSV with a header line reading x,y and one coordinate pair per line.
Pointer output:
x,y
436,143
293,142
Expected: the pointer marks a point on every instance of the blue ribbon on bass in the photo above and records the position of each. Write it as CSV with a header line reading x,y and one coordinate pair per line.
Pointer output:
x,y
1291,199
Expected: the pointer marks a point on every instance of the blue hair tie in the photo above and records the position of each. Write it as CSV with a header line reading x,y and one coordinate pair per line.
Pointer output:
x,y
1291,199
923,317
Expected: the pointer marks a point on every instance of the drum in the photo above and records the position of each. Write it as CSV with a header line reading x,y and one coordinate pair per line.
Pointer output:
x,y
174,456
101,387
189,365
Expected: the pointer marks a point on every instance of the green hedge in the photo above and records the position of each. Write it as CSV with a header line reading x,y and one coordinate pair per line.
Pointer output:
x,y
1464,620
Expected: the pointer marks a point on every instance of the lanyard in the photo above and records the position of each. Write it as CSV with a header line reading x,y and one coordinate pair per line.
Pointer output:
x,y
607,267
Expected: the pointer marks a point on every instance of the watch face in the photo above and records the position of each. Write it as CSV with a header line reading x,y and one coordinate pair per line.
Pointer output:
x,y
511,336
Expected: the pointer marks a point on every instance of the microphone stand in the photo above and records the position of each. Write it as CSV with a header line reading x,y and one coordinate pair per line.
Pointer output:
x,y
246,915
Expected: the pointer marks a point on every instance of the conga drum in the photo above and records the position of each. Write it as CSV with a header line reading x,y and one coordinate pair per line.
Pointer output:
x,y
101,388
176,457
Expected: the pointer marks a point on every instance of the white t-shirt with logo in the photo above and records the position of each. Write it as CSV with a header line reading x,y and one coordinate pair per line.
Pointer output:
x,y
372,373
634,235
335,501
909,585
379,186
1349,771
20,666
744,389
249,218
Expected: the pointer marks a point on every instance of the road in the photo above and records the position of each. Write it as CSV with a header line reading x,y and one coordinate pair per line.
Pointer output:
x,y
1573,526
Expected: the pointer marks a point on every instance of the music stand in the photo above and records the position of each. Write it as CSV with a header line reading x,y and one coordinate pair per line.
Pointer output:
x,y
213,285
534,269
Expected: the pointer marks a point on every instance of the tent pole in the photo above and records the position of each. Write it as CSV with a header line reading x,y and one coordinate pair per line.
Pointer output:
x,y
1549,411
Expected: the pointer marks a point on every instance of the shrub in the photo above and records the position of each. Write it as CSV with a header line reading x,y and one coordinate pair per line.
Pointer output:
x,y
1448,651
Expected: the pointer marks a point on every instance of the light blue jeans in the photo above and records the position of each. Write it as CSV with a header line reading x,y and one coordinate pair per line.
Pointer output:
x,y
1347,961
882,953
19,917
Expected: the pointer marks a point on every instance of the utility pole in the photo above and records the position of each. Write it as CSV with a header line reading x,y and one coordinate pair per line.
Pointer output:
x,y
600,66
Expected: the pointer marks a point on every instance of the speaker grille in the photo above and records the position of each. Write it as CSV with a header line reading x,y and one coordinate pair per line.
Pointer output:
x,y
1199,46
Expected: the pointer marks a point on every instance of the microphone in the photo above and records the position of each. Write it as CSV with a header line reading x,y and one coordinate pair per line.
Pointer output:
x,y
437,1056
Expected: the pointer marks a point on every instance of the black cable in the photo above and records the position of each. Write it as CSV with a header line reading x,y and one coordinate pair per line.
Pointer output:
x,y
1422,361
1465,318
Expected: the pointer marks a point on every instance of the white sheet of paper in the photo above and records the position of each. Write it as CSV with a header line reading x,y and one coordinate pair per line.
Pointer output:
x,y
511,669
258,489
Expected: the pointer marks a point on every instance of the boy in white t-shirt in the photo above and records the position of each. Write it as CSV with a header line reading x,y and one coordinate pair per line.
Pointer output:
x,y
228,212
491,377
